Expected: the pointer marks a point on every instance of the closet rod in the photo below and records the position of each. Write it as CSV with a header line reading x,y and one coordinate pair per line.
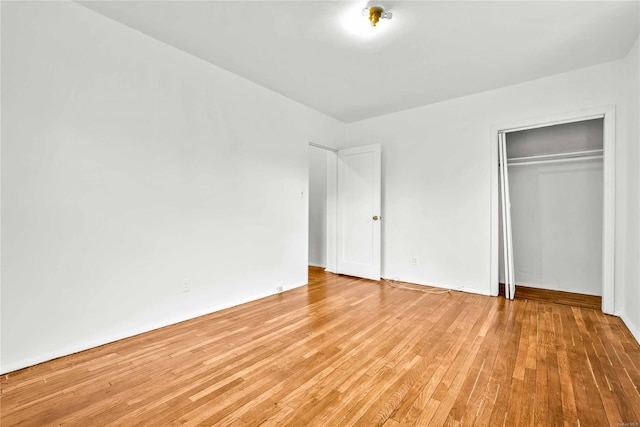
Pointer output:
x,y
566,159
568,155
324,147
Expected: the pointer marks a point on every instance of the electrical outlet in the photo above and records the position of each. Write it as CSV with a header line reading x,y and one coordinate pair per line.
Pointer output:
x,y
186,287
415,260
279,289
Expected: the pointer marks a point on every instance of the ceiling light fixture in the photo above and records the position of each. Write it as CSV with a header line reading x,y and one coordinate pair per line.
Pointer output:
x,y
375,12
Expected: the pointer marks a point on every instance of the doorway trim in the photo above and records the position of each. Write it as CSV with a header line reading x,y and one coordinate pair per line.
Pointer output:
x,y
607,113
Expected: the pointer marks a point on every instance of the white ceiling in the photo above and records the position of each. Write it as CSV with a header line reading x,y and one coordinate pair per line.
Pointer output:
x,y
430,51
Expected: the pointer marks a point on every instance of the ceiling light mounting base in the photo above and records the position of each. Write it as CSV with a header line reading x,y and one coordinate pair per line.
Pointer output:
x,y
375,12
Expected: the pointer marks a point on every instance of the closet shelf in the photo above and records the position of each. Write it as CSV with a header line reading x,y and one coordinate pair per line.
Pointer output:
x,y
558,157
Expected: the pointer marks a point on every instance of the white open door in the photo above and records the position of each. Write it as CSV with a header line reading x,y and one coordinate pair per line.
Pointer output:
x,y
358,222
507,242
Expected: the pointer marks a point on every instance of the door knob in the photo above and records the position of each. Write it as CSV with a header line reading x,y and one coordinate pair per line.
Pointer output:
x,y
375,217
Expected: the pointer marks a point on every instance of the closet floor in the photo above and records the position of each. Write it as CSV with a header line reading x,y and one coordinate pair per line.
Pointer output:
x,y
557,297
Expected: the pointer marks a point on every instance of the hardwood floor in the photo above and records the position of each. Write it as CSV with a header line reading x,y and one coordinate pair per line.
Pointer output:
x,y
344,351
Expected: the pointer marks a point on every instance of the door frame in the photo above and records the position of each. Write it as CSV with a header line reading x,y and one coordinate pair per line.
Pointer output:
x,y
607,113
331,242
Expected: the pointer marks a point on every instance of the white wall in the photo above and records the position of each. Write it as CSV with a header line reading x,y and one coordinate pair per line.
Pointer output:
x,y
630,309
317,207
437,179
130,167
556,217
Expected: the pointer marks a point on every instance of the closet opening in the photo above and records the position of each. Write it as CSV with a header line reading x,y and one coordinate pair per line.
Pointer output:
x,y
555,180
553,217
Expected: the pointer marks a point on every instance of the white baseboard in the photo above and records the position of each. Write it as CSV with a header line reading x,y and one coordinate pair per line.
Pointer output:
x,y
460,288
106,339
313,264
95,342
632,328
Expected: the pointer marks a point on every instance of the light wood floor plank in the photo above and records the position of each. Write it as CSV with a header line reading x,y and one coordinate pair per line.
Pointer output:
x,y
348,351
